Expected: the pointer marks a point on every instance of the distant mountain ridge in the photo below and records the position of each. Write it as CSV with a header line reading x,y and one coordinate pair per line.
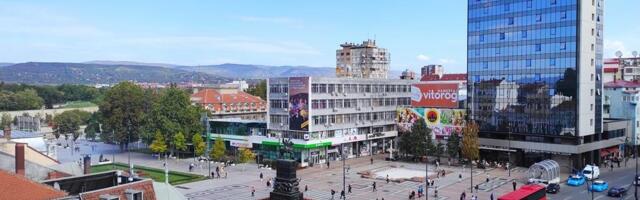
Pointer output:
x,y
81,73
101,71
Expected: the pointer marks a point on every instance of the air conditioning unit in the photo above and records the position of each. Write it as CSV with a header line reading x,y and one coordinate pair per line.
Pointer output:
x,y
281,124
335,110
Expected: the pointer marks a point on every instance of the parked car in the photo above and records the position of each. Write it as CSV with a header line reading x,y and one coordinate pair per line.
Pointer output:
x,y
553,188
617,191
591,172
576,180
637,181
599,186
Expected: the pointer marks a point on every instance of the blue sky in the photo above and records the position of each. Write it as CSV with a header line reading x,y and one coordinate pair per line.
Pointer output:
x,y
417,32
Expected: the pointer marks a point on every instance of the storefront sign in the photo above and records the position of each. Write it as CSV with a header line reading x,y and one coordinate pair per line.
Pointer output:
x,y
434,95
241,144
375,135
442,122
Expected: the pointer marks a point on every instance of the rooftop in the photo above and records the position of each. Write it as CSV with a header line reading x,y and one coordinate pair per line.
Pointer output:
x,y
213,96
16,134
17,187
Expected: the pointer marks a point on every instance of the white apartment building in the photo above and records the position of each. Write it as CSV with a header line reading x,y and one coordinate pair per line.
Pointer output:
x,y
322,114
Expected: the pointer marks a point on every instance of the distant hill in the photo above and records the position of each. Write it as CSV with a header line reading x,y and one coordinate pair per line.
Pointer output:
x,y
5,64
110,62
247,71
81,73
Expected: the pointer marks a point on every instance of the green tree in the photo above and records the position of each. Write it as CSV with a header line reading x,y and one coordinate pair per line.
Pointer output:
x,y
51,95
259,89
159,145
198,144
439,149
67,122
6,120
91,130
173,113
218,149
28,100
453,145
180,142
122,112
415,141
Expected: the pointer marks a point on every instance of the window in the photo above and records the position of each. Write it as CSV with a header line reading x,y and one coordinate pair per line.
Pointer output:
x,y
505,64
481,38
528,62
552,61
591,107
538,47
593,47
511,20
554,2
485,65
591,122
538,77
553,31
507,7
539,18
591,92
524,34
563,15
498,50
591,77
563,46
529,3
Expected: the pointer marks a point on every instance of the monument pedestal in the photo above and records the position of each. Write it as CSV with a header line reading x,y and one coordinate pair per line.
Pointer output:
x,y
285,186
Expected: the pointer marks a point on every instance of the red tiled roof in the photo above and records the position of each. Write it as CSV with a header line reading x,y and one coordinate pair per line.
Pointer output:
x,y
445,77
621,84
610,70
17,187
213,99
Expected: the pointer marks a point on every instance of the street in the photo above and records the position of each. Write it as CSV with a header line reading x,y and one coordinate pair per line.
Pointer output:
x,y
619,177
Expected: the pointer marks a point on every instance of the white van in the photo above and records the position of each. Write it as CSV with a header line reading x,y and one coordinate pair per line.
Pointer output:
x,y
591,172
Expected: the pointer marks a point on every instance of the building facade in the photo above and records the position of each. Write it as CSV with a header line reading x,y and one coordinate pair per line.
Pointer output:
x,y
627,69
364,60
534,72
230,103
621,101
322,114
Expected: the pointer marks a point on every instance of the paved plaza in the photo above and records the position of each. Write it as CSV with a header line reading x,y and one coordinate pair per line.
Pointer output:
x,y
320,180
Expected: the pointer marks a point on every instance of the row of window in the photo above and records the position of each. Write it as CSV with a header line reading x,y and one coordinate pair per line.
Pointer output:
x,y
316,135
524,21
354,118
357,88
489,8
354,103
519,35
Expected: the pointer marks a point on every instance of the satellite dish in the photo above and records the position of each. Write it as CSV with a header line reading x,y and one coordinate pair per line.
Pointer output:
x,y
619,54
634,53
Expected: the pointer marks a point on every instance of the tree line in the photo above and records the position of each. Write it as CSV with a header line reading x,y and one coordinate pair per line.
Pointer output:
x,y
418,142
29,97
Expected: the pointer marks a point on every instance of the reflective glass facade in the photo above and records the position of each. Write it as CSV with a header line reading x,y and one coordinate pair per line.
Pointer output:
x,y
523,66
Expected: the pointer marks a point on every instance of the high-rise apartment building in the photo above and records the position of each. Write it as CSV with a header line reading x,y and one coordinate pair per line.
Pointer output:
x,y
534,72
364,60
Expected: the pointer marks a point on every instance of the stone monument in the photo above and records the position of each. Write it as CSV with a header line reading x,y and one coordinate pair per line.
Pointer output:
x,y
285,186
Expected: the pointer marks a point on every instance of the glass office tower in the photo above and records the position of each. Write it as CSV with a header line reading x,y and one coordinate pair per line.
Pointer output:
x,y
534,70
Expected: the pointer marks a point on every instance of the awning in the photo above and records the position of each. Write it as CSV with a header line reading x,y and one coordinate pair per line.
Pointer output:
x,y
608,151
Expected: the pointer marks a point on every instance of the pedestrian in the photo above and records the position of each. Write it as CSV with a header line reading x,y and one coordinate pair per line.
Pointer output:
x,y
253,191
343,195
268,183
463,196
371,160
374,186
491,197
333,192
387,178
459,177
349,188
477,188
487,180
218,171
225,174
514,185
611,166
306,188
413,194
260,176
213,174
328,164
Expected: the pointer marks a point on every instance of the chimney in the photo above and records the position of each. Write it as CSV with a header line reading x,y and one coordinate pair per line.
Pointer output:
x,y
87,164
20,159
7,133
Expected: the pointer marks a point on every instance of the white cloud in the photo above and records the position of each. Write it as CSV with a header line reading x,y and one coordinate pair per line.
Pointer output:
x,y
423,57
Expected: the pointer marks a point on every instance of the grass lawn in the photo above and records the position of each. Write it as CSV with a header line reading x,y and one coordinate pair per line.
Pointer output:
x,y
175,178
79,104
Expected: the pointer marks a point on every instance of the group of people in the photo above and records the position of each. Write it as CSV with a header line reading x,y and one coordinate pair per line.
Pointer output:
x,y
214,174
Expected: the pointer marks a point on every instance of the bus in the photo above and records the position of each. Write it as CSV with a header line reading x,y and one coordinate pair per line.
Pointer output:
x,y
526,192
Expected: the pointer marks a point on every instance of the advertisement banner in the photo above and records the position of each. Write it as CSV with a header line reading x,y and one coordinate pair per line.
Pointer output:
x,y
435,95
299,103
442,122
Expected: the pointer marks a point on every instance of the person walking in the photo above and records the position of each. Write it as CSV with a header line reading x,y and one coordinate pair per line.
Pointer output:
x,y
349,188
459,177
328,164
306,188
218,171
374,186
268,183
514,185
253,191
333,192
371,160
491,197
387,178
343,195
260,176
463,196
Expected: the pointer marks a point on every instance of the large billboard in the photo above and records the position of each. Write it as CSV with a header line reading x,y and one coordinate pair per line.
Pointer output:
x,y
435,95
299,103
442,122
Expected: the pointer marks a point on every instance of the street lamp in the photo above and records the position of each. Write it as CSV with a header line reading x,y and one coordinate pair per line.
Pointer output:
x,y
344,173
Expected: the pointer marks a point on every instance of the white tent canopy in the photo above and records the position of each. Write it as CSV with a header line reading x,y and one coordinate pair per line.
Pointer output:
x,y
544,170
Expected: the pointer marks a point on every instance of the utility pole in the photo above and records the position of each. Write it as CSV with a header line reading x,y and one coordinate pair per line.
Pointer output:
x,y
205,123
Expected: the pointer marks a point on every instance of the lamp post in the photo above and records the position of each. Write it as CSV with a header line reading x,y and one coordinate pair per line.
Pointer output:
x,y
205,120
344,172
